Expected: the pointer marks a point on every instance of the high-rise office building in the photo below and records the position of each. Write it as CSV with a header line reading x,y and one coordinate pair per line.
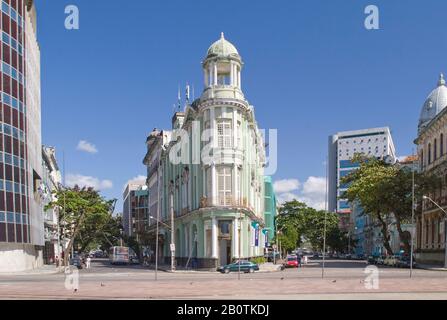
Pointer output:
x,y
21,218
343,146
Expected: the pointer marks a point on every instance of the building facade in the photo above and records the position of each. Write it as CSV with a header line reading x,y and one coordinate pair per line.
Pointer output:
x,y
208,172
270,210
431,145
21,219
343,146
51,183
136,210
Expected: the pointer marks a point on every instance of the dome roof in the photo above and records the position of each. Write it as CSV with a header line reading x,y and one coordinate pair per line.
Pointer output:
x,y
434,104
222,48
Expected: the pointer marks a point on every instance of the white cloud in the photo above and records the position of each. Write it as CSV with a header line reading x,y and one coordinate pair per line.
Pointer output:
x,y
286,186
315,186
312,192
140,179
87,181
86,147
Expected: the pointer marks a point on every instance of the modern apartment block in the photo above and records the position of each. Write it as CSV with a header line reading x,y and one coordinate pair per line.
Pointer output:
x,y
206,175
135,209
21,219
376,142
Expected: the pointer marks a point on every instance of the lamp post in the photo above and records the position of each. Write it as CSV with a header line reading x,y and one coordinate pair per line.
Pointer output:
x,y
445,226
325,221
170,228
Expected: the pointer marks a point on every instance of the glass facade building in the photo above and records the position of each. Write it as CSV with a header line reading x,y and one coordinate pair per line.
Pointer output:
x,y
21,219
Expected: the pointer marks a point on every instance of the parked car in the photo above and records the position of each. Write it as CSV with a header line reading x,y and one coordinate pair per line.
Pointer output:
x,y
380,260
242,265
292,262
372,260
76,261
405,262
390,261
134,260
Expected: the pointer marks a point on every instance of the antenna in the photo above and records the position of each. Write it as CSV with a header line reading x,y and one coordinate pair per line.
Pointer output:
x,y
187,93
179,97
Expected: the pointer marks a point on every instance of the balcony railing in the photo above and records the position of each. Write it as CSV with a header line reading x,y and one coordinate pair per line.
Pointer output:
x,y
225,201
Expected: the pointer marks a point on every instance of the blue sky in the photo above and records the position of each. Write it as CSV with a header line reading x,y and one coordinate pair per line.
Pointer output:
x,y
311,69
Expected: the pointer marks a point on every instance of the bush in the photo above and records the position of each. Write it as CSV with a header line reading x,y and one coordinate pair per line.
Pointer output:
x,y
259,260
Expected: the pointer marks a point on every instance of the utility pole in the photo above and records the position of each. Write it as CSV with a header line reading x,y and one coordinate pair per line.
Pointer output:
x,y
158,218
172,232
412,221
325,219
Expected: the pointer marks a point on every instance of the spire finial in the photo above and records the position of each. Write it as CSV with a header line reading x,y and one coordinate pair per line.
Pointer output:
x,y
441,81
222,35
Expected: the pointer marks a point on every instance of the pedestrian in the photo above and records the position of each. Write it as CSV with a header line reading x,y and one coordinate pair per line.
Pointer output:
x,y
298,257
89,261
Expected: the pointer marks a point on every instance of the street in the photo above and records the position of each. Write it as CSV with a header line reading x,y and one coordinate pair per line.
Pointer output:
x,y
343,280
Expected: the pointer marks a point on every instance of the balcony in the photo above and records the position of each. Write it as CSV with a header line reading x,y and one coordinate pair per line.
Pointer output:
x,y
226,202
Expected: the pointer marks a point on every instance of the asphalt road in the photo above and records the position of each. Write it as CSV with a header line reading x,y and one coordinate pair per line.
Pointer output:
x,y
343,280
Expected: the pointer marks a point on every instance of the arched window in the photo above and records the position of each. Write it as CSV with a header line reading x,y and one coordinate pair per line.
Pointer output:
x,y
422,160
429,153
435,150
441,144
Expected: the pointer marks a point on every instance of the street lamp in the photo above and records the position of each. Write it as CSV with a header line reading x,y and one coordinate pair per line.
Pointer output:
x,y
170,228
445,226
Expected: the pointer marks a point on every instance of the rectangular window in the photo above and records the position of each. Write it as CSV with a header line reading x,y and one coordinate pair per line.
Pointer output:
x,y
5,7
224,134
224,186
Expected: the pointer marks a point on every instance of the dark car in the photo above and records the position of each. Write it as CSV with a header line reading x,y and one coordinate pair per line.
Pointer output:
x,y
76,262
243,265
405,262
372,259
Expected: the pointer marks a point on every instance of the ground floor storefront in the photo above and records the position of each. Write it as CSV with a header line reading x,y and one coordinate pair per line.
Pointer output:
x,y
208,239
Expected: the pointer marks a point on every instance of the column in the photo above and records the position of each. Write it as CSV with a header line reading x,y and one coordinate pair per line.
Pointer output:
x,y
235,238
205,78
210,75
235,132
215,73
236,84
239,79
234,185
232,73
213,185
214,238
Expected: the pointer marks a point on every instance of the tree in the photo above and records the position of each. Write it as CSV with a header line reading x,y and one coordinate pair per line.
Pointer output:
x,y
83,215
384,191
308,223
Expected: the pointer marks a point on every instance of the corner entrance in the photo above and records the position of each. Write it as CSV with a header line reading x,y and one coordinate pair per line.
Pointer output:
x,y
225,242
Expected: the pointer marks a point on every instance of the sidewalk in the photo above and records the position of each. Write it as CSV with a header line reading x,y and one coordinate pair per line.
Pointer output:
x,y
432,267
263,268
45,270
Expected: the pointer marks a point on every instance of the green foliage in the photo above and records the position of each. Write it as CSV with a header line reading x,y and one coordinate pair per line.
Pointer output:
x,y
259,260
297,222
84,215
384,191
